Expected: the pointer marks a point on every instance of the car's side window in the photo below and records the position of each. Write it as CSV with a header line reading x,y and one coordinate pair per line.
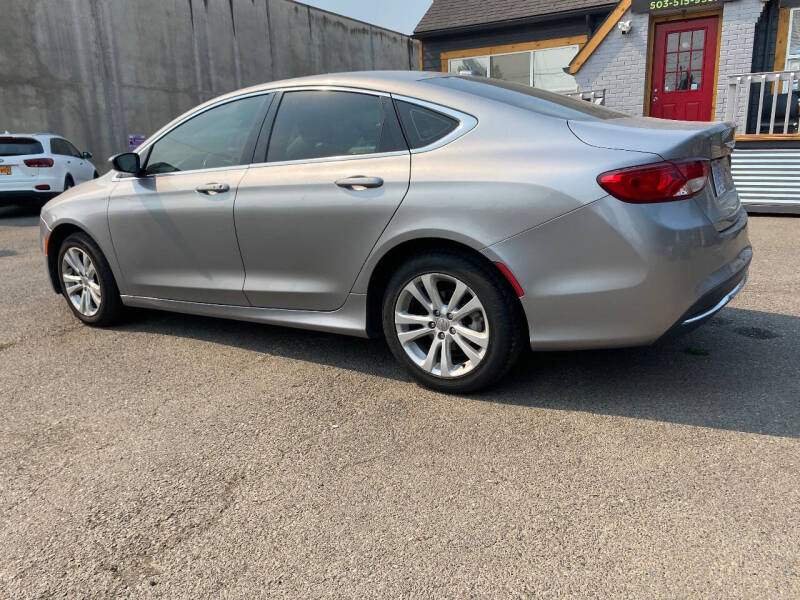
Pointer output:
x,y
217,137
320,124
59,146
423,126
73,151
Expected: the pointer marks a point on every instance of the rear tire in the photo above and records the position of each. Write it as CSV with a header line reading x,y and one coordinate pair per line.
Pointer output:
x,y
87,283
68,182
477,330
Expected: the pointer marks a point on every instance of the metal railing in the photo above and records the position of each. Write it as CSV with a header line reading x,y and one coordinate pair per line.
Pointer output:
x,y
764,103
594,96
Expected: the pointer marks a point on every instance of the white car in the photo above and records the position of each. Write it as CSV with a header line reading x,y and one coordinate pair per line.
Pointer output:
x,y
36,167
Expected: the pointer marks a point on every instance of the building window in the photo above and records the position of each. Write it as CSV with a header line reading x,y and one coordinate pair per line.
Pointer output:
x,y
793,46
538,68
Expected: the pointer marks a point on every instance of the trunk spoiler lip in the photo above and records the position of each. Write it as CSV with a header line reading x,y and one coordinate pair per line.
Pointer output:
x,y
667,139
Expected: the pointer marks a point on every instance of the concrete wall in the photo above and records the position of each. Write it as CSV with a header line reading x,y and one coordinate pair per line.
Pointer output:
x,y
619,64
98,70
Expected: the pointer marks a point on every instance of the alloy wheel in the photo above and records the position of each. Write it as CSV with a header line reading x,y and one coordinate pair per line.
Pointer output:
x,y
441,324
81,281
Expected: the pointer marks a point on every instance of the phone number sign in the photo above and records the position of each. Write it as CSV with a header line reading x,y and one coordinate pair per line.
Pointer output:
x,y
658,6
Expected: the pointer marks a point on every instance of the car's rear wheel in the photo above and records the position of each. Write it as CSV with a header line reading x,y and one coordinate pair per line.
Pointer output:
x,y
87,282
68,182
452,321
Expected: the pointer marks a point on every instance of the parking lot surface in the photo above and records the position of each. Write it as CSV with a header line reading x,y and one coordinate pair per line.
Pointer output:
x,y
184,457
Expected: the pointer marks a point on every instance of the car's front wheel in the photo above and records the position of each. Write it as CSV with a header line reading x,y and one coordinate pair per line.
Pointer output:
x,y
87,282
452,321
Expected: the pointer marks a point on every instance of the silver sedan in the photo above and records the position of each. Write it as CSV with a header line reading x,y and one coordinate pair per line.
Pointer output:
x,y
460,218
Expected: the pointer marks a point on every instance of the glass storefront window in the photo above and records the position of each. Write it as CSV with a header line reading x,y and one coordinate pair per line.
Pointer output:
x,y
512,67
478,65
548,69
793,47
542,68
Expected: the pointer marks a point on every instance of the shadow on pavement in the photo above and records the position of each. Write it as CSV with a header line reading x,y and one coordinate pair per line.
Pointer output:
x,y
20,215
738,372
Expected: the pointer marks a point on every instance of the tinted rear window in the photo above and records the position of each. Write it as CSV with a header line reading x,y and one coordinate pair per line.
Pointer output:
x,y
528,98
19,146
423,126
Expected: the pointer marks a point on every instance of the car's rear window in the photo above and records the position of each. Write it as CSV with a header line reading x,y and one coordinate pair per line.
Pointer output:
x,y
18,146
527,97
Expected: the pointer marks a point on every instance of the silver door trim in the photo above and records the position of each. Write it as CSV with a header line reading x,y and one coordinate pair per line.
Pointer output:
x,y
306,161
121,177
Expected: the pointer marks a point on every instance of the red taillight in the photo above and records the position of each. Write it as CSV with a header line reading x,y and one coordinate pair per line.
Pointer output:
x,y
657,182
38,162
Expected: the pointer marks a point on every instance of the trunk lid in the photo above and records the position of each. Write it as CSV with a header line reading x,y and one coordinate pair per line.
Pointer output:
x,y
675,140
13,152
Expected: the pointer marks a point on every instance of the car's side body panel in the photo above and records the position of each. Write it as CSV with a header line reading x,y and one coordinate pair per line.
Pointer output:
x,y
176,243
349,319
86,208
538,172
303,238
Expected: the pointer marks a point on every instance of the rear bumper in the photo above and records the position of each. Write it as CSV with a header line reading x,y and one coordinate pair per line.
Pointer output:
x,y
709,305
612,274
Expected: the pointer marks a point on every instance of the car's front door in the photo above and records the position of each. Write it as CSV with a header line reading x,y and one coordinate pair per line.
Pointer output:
x,y
336,169
172,228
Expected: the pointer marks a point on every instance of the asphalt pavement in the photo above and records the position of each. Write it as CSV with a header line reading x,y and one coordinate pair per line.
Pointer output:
x,y
184,457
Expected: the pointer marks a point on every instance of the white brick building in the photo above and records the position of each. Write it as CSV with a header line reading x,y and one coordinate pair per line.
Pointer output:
x,y
696,60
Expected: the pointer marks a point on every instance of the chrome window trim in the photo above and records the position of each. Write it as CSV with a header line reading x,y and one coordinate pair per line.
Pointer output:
x,y
466,122
306,161
149,142
121,177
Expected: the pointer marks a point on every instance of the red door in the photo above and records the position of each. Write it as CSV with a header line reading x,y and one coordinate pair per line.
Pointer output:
x,y
684,54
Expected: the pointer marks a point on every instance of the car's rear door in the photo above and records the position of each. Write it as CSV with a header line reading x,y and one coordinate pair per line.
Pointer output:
x,y
82,168
335,170
172,228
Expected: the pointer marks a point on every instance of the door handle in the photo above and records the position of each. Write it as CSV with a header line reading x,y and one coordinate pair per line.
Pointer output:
x,y
212,188
359,182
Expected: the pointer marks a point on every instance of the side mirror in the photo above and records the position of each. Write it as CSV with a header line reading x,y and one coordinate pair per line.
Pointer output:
x,y
127,162
86,155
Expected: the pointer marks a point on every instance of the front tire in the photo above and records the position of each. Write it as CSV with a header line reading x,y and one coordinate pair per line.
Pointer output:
x,y
87,282
452,321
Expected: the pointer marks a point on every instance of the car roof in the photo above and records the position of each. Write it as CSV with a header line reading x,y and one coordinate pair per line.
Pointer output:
x,y
32,135
397,82
408,83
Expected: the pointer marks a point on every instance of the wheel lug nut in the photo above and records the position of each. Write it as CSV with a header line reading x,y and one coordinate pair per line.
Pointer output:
x,y
431,324
452,330
441,335
450,316
436,313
